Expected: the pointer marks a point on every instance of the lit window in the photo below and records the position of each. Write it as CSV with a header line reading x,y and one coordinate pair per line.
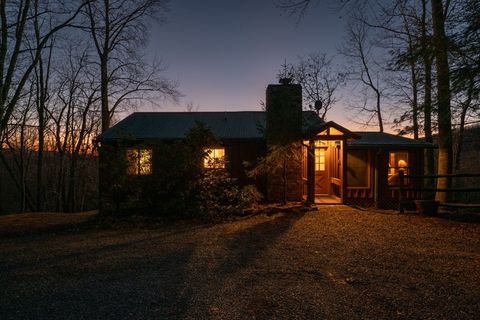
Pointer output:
x,y
139,161
215,158
357,168
321,143
320,159
398,161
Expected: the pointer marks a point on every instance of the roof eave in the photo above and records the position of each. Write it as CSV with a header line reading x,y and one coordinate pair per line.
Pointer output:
x,y
393,146
315,131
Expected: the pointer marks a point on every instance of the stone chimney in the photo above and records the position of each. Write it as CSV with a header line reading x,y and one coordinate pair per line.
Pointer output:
x,y
284,127
284,112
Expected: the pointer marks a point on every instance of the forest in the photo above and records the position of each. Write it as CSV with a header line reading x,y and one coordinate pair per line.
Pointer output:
x,y
69,69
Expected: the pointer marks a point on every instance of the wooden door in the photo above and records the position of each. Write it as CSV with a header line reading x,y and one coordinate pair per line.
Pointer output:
x,y
335,168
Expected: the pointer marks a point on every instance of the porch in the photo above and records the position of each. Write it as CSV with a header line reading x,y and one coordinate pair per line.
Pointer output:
x,y
324,164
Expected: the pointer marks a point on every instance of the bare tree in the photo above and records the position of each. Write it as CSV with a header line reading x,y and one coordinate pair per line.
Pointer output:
x,y
74,120
358,49
16,64
427,62
466,73
41,80
401,38
22,44
318,79
444,114
118,29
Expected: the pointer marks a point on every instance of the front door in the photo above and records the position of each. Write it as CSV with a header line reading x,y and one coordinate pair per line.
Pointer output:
x,y
321,169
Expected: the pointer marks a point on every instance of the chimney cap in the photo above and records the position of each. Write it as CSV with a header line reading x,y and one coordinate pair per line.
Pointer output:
x,y
285,81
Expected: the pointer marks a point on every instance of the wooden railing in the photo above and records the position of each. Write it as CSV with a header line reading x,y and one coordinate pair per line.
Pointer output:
x,y
402,187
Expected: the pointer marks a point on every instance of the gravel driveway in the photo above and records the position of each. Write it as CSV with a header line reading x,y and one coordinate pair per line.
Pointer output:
x,y
335,263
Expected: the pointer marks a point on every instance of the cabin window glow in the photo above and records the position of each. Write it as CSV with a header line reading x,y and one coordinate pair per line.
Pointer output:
x,y
397,161
215,158
320,159
139,162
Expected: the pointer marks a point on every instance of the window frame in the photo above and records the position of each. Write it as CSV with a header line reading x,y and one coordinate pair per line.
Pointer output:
x,y
319,152
397,168
139,151
368,171
208,157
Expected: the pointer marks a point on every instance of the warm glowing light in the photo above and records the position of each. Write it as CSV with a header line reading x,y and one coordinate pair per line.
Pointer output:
x,y
321,143
398,161
139,161
215,158
320,159
402,163
330,131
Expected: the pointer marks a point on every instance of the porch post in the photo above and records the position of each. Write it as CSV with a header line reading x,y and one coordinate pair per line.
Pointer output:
x,y
344,163
311,172
375,177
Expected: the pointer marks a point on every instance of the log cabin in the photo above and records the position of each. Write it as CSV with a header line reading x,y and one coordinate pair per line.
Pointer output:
x,y
337,166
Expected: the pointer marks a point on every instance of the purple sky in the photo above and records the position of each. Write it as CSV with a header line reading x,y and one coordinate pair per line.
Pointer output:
x,y
224,53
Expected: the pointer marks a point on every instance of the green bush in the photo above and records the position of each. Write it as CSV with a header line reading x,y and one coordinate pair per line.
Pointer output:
x,y
220,196
250,196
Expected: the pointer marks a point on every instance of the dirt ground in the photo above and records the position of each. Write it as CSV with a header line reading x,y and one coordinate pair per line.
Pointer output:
x,y
335,263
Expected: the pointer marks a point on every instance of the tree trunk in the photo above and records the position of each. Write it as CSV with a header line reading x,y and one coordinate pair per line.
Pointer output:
x,y
414,99
461,130
23,191
71,184
443,100
41,143
427,104
284,180
104,93
1,181
379,111
427,112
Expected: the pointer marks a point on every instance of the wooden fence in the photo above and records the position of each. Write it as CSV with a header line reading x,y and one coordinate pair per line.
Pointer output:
x,y
402,187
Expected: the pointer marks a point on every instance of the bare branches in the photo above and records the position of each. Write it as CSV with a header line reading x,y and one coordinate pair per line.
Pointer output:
x,y
319,81
359,51
20,66
295,7
118,29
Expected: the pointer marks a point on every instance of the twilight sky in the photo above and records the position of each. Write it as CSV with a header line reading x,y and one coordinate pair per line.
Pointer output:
x,y
224,52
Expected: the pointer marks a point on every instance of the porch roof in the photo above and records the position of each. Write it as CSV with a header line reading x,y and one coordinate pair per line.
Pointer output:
x,y
174,125
382,139
329,130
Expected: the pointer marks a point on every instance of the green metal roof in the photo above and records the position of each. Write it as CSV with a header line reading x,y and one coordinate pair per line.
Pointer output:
x,y
174,125
233,125
382,139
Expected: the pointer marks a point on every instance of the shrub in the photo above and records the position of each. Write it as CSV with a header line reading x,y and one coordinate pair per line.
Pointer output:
x,y
220,196
250,196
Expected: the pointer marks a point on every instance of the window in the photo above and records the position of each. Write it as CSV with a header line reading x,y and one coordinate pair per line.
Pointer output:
x,y
321,143
320,159
215,158
398,161
139,161
357,168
